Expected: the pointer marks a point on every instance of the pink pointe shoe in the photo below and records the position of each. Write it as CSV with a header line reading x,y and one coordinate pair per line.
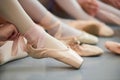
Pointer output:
x,y
10,50
42,45
84,50
113,46
6,55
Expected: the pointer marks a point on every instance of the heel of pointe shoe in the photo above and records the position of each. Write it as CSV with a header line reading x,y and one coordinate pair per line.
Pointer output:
x,y
67,56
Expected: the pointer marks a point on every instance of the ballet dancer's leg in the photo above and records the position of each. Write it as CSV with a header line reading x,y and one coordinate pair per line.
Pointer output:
x,y
51,23
39,42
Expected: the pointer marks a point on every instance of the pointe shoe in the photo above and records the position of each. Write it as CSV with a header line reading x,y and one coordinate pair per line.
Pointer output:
x,y
5,52
82,50
113,46
89,50
83,37
39,47
87,38
92,27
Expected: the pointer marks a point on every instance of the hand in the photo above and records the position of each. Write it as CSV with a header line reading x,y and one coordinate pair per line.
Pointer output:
x,y
8,32
90,6
114,3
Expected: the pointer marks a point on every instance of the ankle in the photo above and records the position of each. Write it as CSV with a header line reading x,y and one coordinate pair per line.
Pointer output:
x,y
53,30
35,35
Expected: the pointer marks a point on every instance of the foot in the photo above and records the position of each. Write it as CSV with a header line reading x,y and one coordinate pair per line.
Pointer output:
x,y
67,31
42,45
5,52
92,27
113,46
83,49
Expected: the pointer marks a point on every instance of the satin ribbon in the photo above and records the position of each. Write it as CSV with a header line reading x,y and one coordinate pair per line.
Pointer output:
x,y
19,40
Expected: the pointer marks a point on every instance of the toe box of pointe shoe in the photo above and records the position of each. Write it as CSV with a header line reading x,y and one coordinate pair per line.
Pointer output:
x,y
88,38
89,50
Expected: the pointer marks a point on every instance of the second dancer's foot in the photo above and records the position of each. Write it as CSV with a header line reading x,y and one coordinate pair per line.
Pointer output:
x,y
67,31
92,27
